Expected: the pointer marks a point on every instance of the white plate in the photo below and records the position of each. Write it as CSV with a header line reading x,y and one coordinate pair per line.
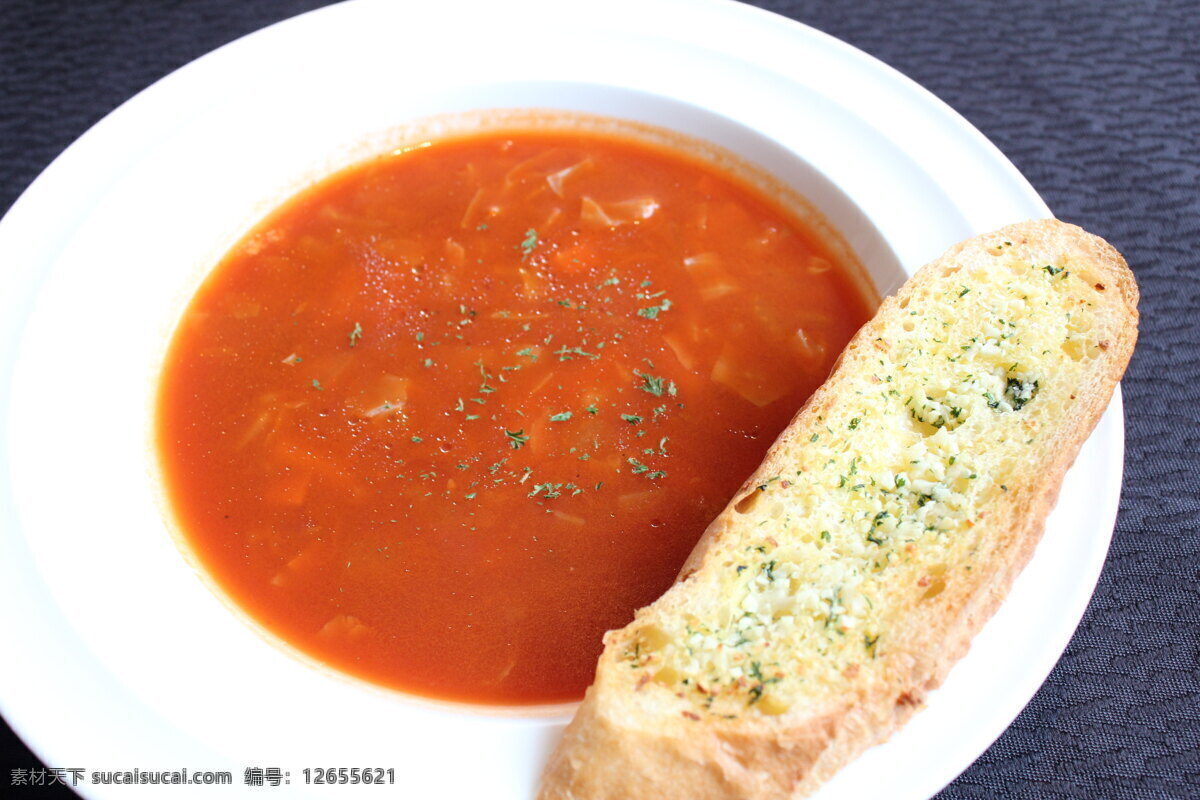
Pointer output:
x,y
118,654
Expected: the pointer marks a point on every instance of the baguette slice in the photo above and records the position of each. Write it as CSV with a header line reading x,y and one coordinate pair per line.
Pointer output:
x,y
885,526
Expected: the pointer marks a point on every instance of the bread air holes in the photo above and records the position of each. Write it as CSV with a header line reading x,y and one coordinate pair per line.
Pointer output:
x,y
1079,349
747,503
668,676
647,642
933,582
935,588
1078,344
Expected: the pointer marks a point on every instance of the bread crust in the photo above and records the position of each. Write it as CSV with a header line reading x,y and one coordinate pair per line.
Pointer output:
x,y
618,747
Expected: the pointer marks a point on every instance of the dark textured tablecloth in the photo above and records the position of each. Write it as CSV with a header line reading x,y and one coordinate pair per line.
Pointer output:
x,y
1097,103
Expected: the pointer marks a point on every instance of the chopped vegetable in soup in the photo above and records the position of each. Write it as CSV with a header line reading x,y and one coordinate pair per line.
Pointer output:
x,y
446,417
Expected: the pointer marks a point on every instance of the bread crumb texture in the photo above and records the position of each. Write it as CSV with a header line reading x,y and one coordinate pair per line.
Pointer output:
x,y
879,512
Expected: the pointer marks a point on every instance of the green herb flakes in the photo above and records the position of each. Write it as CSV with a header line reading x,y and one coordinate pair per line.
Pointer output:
x,y
547,490
651,384
652,312
529,242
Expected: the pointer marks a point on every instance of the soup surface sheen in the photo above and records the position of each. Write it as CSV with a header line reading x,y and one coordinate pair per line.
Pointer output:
x,y
446,417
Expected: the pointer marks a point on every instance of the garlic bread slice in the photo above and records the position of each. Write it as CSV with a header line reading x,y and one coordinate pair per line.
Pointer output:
x,y
884,527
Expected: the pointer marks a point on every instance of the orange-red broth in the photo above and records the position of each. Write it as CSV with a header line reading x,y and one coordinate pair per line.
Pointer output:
x,y
444,418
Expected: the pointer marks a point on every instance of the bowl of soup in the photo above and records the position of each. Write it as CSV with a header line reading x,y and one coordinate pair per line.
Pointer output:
x,y
471,402
367,370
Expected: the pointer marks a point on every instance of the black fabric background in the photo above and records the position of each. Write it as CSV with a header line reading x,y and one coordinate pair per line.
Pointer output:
x,y
1097,103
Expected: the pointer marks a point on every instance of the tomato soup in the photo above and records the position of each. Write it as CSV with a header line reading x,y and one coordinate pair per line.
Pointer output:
x,y
446,417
